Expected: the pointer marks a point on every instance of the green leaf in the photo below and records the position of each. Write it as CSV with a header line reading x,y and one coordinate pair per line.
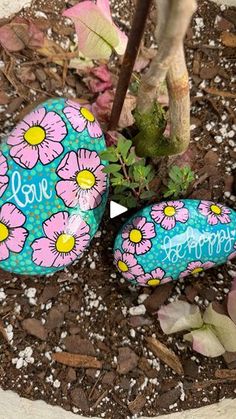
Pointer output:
x,y
147,195
131,159
112,168
109,154
123,147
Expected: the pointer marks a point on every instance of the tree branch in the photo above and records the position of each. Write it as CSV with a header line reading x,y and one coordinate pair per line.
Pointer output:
x,y
173,20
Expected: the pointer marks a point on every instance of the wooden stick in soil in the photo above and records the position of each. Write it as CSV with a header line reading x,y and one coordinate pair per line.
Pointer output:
x,y
135,38
76,360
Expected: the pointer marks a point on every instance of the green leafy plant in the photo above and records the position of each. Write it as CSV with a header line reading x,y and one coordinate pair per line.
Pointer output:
x,y
179,181
130,176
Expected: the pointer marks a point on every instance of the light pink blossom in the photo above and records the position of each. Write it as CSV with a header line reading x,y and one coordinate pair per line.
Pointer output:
x,y
154,278
4,180
36,138
83,181
12,234
81,118
196,267
215,213
66,237
137,236
167,214
127,265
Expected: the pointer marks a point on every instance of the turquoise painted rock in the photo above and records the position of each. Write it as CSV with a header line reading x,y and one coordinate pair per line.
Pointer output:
x,y
174,239
53,190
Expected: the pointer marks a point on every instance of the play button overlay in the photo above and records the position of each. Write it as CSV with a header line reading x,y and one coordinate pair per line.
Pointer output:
x,y
116,209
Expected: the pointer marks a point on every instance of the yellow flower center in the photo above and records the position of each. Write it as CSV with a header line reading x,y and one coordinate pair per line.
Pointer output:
x,y
85,179
197,270
35,135
216,209
154,282
65,243
87,114
135,236
169,211
4,232
123,266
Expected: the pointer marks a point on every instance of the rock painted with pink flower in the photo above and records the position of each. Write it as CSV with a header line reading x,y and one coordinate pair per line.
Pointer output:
x,y
53,190
174,239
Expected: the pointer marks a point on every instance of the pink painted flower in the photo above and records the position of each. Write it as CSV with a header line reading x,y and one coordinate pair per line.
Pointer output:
x,y
83,179
154,279
12,234
167,214
233,254
137,236
215,213
66,238
81,118
3,171
127,265
196,267
37,138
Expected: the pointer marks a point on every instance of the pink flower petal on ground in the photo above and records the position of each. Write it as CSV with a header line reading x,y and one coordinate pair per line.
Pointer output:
x,y
77,121
67,190
168,223
11,216
49,150
16,240
182,215
56,224
25,155
89,160
94,129
44,252
68,167
4,252
143,247
54,126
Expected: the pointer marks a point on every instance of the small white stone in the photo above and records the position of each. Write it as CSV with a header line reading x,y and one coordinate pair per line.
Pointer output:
x,y
138,310
57,384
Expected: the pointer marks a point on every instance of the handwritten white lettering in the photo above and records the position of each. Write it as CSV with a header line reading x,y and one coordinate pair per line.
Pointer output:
x,y
198,243
25,194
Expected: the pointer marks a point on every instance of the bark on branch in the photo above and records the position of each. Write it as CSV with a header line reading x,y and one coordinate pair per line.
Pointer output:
x,y
173,19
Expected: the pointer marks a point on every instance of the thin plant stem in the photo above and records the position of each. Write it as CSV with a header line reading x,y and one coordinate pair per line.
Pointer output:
x,y
135,38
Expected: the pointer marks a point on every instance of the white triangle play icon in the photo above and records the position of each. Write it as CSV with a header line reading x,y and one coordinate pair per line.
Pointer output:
x,y
116,209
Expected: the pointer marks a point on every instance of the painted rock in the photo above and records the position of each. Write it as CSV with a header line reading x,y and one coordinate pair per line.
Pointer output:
x,y
52,188
174,239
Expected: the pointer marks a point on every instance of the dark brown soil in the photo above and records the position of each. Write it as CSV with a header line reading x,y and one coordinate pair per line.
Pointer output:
x,y
88,309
